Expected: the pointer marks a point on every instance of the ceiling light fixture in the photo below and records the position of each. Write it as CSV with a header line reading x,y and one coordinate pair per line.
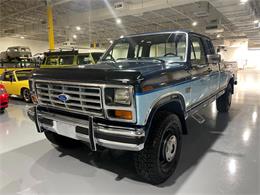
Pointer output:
x,y
122,36
194,23
74,36
218,35
111,42
118,21
256,21
243,1
22,37
78,28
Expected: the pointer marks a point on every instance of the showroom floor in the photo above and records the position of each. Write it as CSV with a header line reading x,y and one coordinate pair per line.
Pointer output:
x,y
221,156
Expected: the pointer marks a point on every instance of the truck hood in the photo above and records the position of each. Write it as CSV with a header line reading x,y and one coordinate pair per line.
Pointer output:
x,y
128,72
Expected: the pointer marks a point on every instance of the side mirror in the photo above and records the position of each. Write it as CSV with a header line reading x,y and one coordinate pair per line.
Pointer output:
x,y
214,59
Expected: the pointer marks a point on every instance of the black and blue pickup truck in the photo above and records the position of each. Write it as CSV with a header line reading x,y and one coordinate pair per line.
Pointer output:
x,y
137,98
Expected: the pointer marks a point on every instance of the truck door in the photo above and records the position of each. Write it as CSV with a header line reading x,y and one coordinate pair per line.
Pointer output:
x,y
200,71
214,68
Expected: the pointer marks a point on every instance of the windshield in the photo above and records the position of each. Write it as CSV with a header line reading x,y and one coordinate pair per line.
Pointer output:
x,y
84,59
24,49
169,47
23,75
59,60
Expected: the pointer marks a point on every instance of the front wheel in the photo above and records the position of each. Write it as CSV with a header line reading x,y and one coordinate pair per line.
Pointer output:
x,y
26,95
159,158
224,101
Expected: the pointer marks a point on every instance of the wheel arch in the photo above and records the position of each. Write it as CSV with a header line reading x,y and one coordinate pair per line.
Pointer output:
x,y
232,82
174,103
21,90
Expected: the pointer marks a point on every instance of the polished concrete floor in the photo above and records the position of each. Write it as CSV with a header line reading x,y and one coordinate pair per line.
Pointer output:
x,y
221,156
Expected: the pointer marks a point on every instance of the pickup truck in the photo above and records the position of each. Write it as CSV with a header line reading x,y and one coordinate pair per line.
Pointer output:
x,y
15,53
137,98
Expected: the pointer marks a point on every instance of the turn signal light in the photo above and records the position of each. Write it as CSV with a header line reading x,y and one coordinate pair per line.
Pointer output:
x,y
123,114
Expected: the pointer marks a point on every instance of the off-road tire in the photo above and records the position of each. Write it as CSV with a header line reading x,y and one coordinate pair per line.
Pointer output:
x,y
25,93
148,162
224,101
61,141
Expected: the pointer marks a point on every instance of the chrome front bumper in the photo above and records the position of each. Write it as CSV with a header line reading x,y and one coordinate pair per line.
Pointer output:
x,y
114,137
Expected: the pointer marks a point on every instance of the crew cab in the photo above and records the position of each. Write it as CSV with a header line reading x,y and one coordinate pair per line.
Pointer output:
x,y
136,98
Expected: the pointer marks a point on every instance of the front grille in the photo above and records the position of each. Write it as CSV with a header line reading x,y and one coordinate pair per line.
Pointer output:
x,y
83,99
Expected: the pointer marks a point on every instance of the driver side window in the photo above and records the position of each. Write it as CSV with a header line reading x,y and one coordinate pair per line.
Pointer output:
x,y
7,76
120,51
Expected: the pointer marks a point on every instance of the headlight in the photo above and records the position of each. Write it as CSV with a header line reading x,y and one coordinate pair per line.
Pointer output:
x,y
118,96
122,96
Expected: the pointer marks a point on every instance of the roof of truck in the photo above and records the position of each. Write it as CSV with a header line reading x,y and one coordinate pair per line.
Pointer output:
x,y
165,32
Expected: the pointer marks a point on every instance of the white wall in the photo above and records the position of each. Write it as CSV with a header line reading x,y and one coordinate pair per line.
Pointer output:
x,y
236,50
35,46
254,58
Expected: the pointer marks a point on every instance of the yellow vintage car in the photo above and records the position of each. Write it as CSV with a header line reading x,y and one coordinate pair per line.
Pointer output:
x,y
16,83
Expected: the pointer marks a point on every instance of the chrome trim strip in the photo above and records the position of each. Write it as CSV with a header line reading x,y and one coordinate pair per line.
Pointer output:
x,y
113,130
120,146
102,91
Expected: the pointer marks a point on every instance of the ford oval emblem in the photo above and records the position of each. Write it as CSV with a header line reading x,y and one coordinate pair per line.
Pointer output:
x,y
63,97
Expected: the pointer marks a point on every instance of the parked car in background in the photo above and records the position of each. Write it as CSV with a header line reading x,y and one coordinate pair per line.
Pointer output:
x,y
37,58
231,66
16,83
58,59
4,97
15,53
136,98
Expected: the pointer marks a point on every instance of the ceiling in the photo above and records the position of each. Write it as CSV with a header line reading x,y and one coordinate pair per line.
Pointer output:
x,y
97,19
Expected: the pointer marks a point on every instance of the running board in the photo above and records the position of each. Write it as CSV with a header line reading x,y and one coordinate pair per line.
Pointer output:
x,y
198,117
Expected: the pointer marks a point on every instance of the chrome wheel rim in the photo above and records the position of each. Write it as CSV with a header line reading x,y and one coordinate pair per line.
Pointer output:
x,y
170,148
26,95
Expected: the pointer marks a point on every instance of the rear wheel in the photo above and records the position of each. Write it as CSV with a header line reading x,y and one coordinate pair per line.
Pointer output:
x,y
61,141
26,95
224,101
159,158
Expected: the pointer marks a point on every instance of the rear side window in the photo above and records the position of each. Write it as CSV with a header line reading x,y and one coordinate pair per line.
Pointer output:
x,y
66,60
23,75
84,59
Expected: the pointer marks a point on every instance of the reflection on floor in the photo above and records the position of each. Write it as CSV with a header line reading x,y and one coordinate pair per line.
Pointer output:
x,y
221,156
